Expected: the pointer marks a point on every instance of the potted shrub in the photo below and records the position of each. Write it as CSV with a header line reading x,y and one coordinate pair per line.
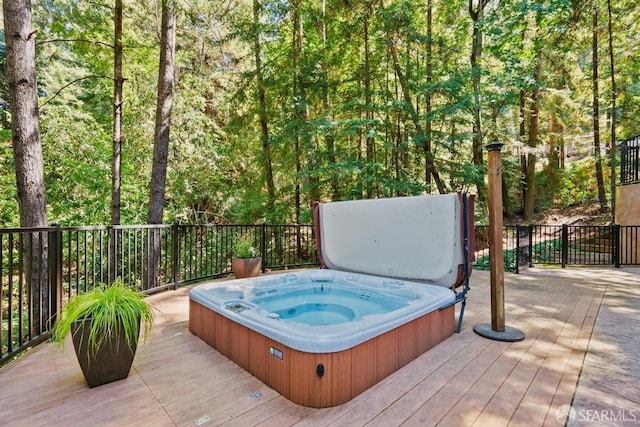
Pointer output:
x,y
245,261
105,327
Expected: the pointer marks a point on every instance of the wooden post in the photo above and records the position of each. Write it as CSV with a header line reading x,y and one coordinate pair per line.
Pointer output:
x,y
496,255
497,329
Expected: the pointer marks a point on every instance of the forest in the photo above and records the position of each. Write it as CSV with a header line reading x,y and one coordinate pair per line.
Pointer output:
x,y
279,103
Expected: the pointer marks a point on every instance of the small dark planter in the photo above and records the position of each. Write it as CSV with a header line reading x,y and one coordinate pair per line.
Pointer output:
x,y
110,363
246,267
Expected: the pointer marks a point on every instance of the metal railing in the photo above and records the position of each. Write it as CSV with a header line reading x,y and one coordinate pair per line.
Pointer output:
x,y
42,268
562,245
630,161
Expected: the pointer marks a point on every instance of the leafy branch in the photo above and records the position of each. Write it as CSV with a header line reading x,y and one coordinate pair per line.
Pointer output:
x,y
72,82
75,41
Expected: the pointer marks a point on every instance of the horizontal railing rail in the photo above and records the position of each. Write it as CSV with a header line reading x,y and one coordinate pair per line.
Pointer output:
x,y
44,267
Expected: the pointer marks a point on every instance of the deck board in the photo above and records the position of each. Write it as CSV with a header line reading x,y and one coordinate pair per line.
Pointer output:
x,y
465,380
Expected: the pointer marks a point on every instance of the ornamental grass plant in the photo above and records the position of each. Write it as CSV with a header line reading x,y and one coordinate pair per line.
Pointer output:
x,y
108,309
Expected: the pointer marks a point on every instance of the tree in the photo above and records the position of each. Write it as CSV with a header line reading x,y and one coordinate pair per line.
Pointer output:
x,y
476,10
326,105
532,141
118,82
27,148
602,195
262,108
161,136
428,128
163,113
23,102
612,146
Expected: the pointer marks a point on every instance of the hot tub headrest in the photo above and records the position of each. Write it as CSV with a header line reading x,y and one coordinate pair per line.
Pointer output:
x,y
414,238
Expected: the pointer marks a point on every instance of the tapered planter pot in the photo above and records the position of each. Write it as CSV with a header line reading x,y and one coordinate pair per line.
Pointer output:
x,y
111,362
246,267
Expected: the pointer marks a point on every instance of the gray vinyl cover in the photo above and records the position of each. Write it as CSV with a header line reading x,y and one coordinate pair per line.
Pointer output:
x,y
413,238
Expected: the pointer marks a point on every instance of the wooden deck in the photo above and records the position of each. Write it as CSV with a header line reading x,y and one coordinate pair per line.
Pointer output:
x,y
177,379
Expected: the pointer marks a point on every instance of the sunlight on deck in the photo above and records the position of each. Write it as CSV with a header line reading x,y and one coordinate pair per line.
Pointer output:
x,y
177,379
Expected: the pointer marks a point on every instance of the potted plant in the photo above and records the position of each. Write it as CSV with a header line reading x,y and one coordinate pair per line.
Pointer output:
x,y
105,327
245,261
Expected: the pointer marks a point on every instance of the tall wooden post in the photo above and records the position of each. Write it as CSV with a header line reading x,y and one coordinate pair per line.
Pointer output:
x,y
496,253
497,330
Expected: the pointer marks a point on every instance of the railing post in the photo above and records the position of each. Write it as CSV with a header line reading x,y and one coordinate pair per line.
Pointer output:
x,y
517,248
623,163
110,253
636,162
263,246
565,245
175,254
615,247
531,249
55,273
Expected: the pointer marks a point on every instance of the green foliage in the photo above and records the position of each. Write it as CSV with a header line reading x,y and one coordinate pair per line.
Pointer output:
x,y
8,201
77,167
579,184
243,247
106,308
337,128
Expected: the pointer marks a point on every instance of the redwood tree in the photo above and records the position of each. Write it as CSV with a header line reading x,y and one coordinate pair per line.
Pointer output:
x,y
23,100
117,114
262,108
163,113
161,135
602,195
27,148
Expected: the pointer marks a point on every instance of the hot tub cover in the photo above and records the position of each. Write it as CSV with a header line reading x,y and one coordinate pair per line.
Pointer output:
x,y
415,238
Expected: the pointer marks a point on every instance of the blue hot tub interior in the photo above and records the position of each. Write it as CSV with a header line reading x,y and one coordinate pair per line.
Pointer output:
x,y
327,303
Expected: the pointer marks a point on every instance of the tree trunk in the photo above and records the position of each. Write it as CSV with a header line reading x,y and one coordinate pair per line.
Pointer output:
x,y
311,160
163,113
117,114
27,148
296,114
23,101
612,147
428,133
530,178
522,137
476,54
161,138
326,105
370,153
262,110
602,195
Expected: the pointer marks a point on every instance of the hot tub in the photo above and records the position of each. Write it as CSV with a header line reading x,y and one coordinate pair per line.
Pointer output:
x,y
321,337
321,311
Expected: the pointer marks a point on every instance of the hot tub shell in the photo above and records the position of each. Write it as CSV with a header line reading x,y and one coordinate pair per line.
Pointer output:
x,y
353,237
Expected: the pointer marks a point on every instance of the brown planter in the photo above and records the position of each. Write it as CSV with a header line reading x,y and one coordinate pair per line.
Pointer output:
x,y
110,363
246,267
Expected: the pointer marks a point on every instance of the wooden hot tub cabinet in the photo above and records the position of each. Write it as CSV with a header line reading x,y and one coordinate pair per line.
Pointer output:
x,y
347,373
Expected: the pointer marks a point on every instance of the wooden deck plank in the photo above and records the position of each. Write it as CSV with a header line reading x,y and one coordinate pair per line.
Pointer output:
x,y
537,402
470,405
465,380
500,408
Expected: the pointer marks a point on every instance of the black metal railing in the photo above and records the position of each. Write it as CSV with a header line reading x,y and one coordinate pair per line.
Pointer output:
x,y
42,268
562,245
630,161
